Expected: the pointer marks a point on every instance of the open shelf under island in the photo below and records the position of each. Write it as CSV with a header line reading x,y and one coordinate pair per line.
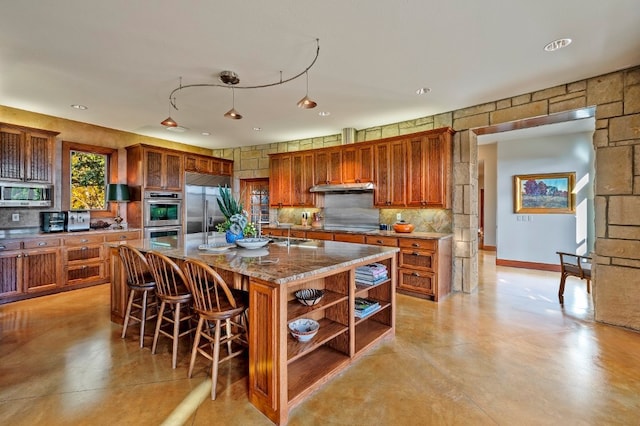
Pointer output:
x,y
283,371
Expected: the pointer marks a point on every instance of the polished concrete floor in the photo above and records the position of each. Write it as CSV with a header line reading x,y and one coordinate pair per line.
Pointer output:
x,y
505,355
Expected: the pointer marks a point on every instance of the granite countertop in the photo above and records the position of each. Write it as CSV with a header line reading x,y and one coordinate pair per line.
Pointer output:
x,y
414,234
275,262
22,233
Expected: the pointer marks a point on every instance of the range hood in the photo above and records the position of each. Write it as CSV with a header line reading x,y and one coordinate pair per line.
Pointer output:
x,y
343,187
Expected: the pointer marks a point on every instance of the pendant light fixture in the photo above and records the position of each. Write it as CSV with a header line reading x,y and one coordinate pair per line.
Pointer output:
x,y
305,102
232,113
232,80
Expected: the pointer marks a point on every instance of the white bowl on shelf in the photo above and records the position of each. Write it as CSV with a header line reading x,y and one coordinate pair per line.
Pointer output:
x,y
304,329
252,243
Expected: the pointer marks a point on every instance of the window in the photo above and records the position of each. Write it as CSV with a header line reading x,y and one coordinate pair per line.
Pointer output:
x,y
88,180
86,171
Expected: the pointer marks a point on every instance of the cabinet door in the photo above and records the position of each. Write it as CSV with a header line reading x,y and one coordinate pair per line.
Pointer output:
x,y
321,167
10,273
11,154
349,165
173,172
38,158
41,269
364,164
390,176
280,180
226,168
428,167
302,179
153,169
416,171
198,164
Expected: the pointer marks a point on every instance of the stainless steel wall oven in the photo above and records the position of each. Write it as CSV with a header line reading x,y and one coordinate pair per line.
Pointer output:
x,y
162,209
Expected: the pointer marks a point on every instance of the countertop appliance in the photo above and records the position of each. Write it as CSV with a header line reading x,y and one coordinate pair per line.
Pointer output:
x,y
202,194
52,221
78,220
18,194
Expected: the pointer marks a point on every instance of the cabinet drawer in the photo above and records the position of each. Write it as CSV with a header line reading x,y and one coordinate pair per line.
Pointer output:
x,y
418,281
123,236
84,253
87,272
275,232
349,238
319,235
297,234
418,243
417,259
10,245
381,241
83,240
41,243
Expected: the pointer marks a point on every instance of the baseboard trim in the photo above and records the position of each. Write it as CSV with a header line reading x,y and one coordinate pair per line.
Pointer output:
x,y
488,248
528,265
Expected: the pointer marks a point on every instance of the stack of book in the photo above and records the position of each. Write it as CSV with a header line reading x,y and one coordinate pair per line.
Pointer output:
x,y
371,274
365,307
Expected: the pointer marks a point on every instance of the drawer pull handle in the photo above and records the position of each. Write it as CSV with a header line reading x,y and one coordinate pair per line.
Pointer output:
x,y
123,237
84,240
379,241
415,253
415,274
3,247
415,245
83,248
19,256
42,243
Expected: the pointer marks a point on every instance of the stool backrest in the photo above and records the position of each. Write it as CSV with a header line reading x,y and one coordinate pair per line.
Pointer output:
x,y
135,265
210,292
170,281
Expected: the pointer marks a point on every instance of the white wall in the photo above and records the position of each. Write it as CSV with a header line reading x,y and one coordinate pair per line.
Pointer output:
x,y
537,237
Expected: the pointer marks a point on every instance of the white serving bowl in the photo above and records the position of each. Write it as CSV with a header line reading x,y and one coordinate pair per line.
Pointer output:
x,y
304,329
252,243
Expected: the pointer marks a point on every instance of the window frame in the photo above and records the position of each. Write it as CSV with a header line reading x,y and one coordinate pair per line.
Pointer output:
x,y
111,175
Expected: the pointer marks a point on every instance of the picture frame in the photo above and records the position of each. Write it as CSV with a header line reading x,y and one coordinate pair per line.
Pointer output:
x,y
544,193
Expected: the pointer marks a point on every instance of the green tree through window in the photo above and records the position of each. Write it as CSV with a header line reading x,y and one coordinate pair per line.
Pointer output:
x,y
88,183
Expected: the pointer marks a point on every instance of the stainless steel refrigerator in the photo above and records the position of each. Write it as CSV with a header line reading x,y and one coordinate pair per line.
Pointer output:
x,y
202,193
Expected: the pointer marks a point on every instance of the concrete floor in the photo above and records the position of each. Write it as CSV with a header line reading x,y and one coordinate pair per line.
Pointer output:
x,y
507,354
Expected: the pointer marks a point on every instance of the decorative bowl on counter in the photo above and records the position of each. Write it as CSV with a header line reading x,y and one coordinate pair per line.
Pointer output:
x,y
252,243
403,227
304,329
309,296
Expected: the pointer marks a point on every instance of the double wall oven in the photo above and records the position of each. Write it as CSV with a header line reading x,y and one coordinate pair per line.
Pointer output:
x,y
162,212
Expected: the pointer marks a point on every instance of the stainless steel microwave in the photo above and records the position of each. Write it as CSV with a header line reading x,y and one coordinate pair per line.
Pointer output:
x,y
19,194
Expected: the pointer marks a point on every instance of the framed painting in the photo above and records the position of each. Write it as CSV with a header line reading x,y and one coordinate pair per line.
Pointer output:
x,y
544,193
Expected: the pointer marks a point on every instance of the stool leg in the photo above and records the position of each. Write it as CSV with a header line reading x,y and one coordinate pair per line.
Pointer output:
x,y
158,324
176,334
196,342
127,314
563,278
143,317
589,286
216,356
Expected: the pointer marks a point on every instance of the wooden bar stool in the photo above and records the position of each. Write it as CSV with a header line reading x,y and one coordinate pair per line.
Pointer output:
x,y
142,289
174,297
216,305
573,265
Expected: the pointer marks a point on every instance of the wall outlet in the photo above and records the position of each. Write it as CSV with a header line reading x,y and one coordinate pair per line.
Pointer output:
x,y
15,217
398,217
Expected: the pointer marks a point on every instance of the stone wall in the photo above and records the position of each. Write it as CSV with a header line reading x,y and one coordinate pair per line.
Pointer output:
x,y
616,97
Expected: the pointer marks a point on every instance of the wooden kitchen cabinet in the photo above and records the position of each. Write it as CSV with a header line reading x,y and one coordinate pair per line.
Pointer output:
x,y
280,180
29,266
302,179
428,168
84,259
206,164
328,165
390,183
357,163
161,169
424,267
26,154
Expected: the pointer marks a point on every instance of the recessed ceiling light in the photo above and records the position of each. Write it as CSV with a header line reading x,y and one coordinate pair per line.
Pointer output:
x,y
324,113
423,90
178,129
257,129
557,44
205,134
78,106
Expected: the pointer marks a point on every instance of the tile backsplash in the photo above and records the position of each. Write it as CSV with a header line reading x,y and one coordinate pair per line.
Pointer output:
x,y
28,218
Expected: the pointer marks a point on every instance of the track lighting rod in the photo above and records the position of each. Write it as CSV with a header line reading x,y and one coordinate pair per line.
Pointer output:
x,y
233,81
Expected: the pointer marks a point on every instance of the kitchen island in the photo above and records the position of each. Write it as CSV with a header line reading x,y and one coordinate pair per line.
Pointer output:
x,y
283,371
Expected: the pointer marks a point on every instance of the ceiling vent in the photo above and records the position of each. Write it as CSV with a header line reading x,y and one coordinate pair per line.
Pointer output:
x,y
348,135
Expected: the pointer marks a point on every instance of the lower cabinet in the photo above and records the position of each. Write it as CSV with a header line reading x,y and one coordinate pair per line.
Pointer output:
x,y
424,267
51,263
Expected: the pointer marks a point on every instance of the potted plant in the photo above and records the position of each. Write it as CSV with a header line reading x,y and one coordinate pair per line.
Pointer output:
x,y
236,224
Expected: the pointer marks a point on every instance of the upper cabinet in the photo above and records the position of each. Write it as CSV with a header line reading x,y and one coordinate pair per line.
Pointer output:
x,y
280,180
290,179
160,169
390,181
328,166
357,163
26,154
429,169
206,164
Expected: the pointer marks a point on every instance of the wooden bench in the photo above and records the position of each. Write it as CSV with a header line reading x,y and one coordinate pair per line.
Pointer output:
x,y
575,266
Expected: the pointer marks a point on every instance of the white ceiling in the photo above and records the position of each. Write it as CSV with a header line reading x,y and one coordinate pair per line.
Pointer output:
x,y
122,59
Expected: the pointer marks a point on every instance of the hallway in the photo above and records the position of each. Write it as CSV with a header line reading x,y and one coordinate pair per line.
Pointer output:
x,y
507,354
